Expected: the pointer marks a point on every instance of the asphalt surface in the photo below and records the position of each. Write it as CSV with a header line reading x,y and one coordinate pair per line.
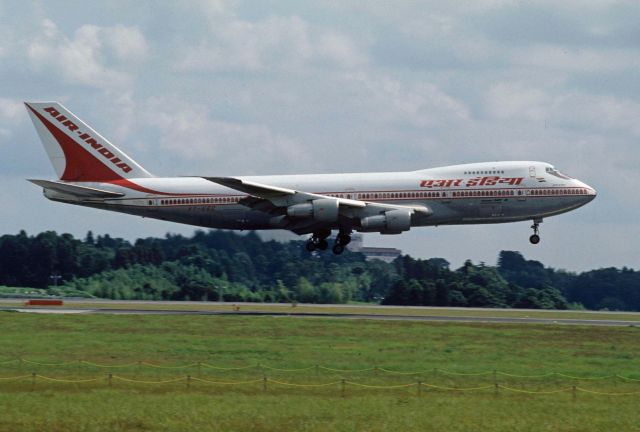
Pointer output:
x,y
427,318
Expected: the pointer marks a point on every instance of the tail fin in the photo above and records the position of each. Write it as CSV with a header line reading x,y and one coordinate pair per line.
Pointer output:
x,y
77,152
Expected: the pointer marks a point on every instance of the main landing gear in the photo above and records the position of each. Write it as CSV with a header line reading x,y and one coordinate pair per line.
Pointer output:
x,y
342,240
535,238
319,241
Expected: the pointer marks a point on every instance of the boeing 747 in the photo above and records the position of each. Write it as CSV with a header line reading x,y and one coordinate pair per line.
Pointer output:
x,y
92,172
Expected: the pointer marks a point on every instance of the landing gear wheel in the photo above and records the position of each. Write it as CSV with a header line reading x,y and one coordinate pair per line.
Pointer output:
x,y
338,249
311,246
535,238
344,239
322,244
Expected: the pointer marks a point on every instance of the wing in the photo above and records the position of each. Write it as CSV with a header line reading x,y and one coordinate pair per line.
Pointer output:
x,y
302,212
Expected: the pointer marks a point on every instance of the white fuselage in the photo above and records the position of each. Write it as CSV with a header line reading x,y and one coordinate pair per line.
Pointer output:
x,y
492,192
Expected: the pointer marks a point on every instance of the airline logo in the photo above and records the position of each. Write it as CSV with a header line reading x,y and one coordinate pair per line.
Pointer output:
x,y
85,137
477,181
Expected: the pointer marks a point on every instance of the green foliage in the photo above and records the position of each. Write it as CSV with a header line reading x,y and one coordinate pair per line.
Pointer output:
x,y
219,265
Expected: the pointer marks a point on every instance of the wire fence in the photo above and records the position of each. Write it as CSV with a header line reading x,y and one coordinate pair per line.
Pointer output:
x,y
199,375
318,367
341,385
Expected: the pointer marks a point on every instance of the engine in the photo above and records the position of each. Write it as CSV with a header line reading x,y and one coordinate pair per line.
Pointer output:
x,y
321,210
392,221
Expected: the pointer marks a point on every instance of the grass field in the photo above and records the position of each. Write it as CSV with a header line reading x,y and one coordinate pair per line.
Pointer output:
x,y
260,344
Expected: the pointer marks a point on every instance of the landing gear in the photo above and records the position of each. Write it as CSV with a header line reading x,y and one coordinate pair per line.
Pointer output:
x,y
318,241
342,239
535,238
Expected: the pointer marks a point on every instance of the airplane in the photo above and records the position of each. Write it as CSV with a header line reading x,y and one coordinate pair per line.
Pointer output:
x,y
93,172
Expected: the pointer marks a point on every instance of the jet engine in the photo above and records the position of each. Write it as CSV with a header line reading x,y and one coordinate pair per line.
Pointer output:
x,y
321,210
392,221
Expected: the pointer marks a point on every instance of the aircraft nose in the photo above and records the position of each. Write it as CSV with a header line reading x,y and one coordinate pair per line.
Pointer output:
x,y
591,192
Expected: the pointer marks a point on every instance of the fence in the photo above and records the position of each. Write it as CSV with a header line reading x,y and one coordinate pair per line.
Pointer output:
x,y
342,385
499,379
317,367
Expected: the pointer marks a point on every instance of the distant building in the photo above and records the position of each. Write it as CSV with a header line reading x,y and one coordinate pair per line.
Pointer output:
x,y
381,253
371,253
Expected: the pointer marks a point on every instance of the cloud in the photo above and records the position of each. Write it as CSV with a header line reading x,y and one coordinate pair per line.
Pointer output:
x,y
83,59
127,43
11,109
571,110
193,137
270,43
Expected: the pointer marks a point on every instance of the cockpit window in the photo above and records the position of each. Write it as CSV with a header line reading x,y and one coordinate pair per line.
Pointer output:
x,y
555,172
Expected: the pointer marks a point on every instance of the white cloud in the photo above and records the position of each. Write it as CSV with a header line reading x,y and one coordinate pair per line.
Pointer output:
x,y
518,101
127,43
11,109
421,104
191,134
83,58
575,59
271,43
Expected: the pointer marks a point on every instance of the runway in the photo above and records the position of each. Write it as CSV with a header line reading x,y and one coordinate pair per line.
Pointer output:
x,y
365,316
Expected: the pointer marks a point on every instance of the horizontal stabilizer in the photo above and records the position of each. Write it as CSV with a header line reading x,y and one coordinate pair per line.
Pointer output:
x,y
75,190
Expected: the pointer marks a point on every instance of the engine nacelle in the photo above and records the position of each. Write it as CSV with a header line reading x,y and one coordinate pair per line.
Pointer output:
x,y
391,221
321,210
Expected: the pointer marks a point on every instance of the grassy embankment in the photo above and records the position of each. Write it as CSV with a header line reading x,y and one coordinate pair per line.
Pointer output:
x,y
290,343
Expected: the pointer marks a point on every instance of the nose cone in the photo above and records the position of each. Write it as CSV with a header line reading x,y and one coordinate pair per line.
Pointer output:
x,y
590,192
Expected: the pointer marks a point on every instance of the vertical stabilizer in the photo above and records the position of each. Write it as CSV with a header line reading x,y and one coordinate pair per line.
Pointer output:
x,y
78,153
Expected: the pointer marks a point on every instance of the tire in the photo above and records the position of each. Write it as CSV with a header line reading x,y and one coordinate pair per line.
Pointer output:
x,y
534,239
344,239
323,244
310,246
338,249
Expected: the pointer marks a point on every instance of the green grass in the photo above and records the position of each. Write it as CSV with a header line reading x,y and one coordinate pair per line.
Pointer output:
x,y
295,343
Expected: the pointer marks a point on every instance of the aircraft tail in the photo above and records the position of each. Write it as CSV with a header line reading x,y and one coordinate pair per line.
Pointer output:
x,y
78,153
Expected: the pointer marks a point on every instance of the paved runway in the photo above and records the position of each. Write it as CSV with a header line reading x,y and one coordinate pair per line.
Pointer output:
x,y
433,318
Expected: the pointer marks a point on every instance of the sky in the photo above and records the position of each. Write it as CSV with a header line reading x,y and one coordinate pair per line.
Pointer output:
x,y
287,87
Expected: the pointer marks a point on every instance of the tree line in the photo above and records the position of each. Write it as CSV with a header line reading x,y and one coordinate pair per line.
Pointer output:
x,y
220,265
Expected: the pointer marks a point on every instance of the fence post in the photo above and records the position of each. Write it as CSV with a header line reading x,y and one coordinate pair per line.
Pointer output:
x,y
264,383
573,393
33,381
110,379
496,389
419,388
188,382
342,387
139,368
317,370
495,376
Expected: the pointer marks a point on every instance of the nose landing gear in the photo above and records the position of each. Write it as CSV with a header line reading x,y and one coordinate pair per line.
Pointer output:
x,y
535,238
